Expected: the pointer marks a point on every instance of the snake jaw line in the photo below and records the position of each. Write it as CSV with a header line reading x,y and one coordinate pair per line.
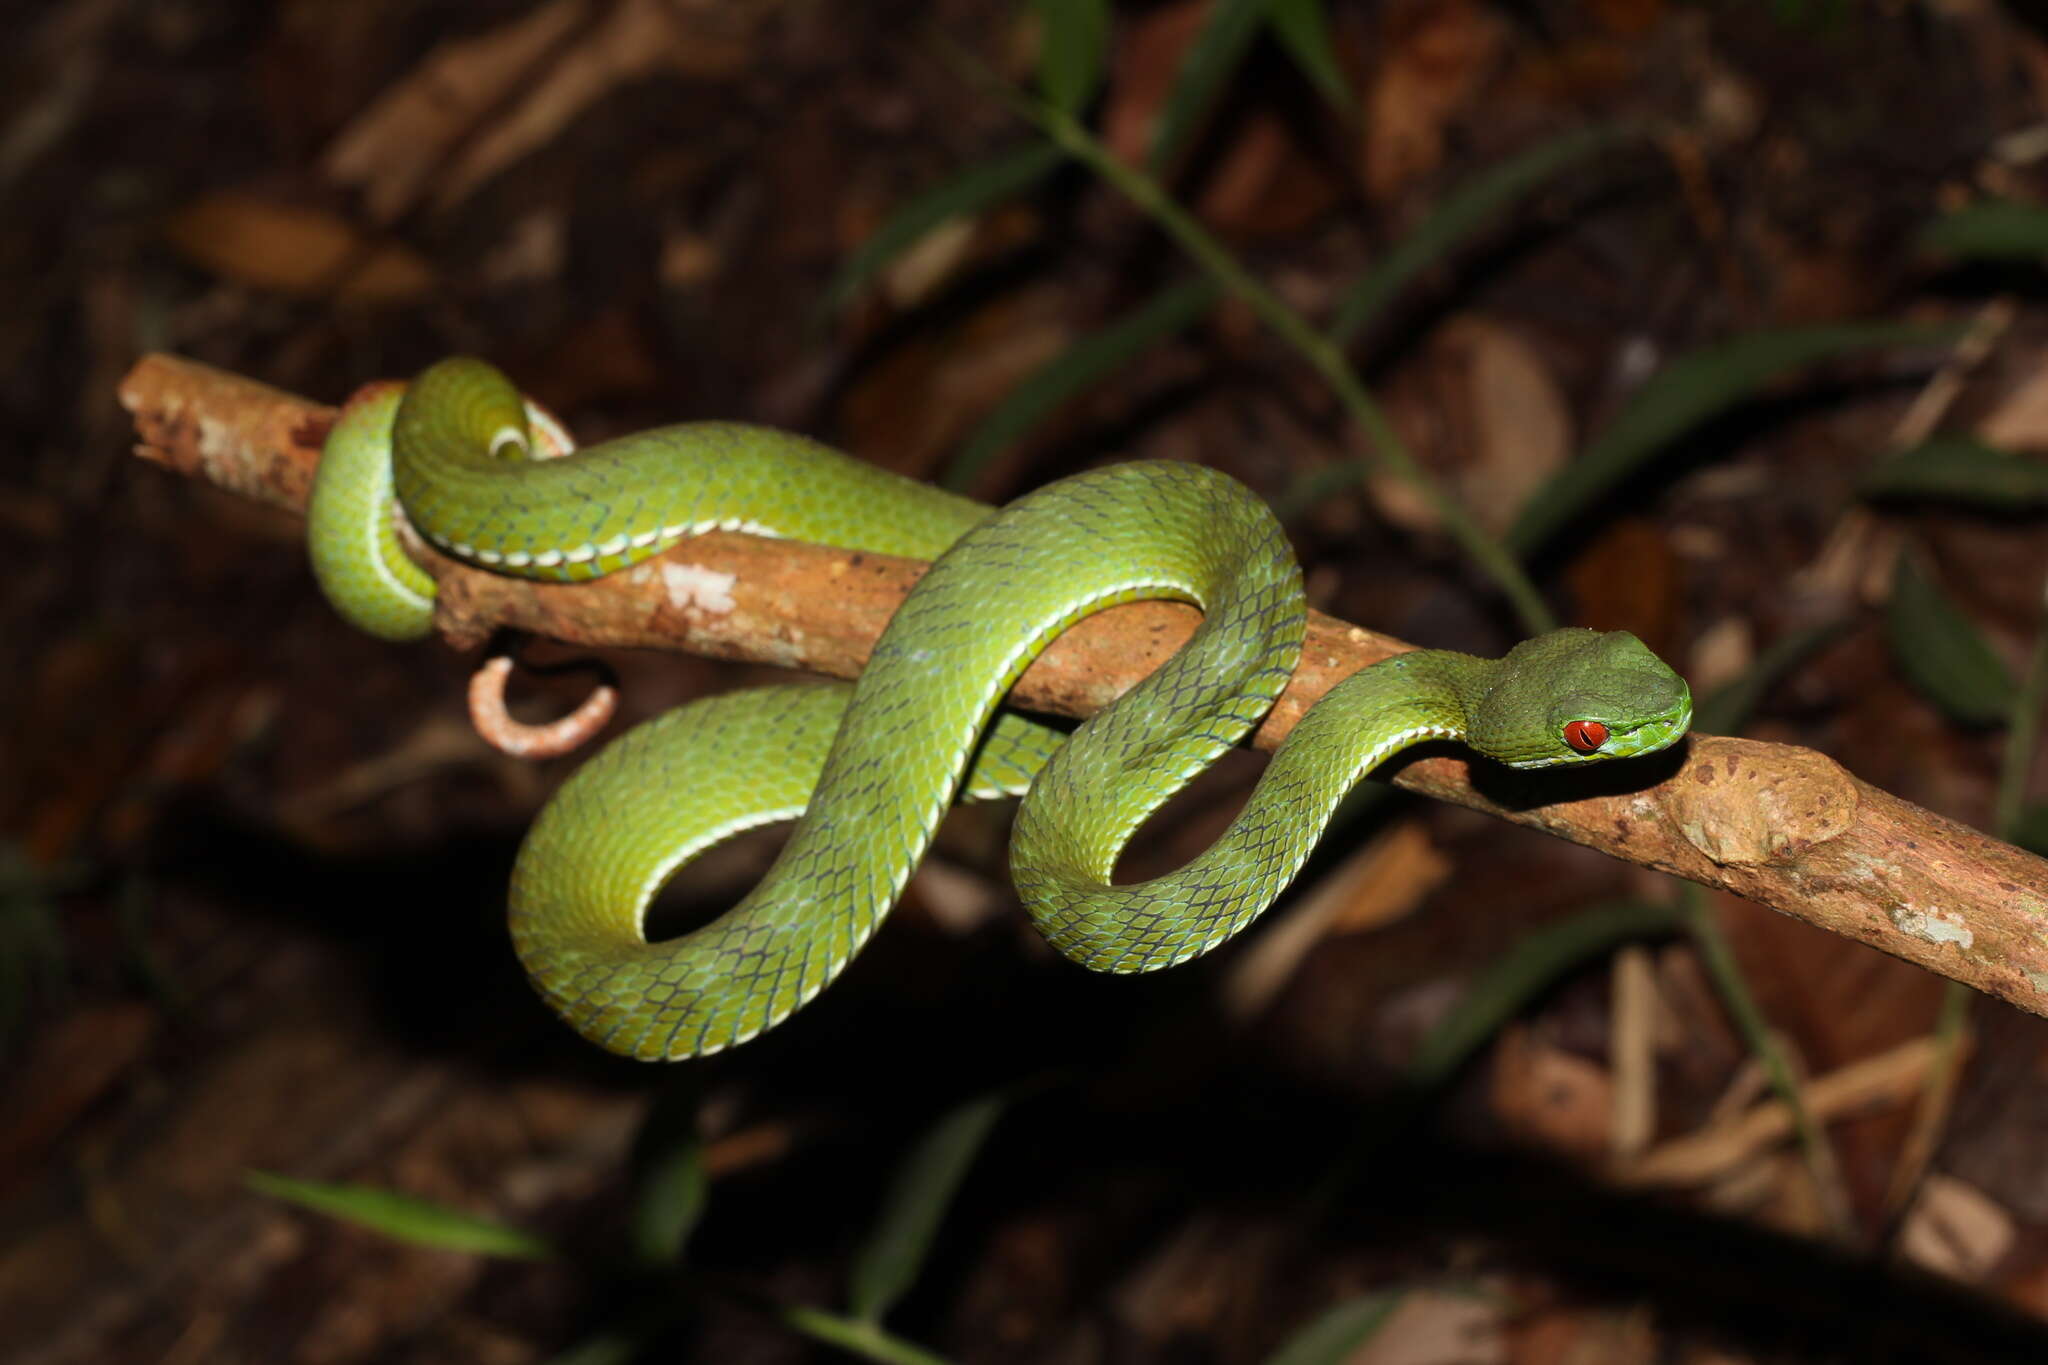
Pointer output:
x,y
867,771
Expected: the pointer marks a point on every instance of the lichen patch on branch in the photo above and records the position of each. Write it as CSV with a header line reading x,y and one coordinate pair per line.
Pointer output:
x,y
692,585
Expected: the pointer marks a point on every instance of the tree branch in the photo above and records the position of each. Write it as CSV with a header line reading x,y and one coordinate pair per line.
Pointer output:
x,y
1784,826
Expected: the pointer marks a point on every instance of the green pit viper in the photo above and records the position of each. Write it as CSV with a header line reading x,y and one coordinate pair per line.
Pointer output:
x,y
867,769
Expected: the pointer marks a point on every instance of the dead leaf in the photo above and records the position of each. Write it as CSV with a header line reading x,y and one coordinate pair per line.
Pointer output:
x,y
1774,1190
1633,1050
1264,185
1584,1336
1482,402
1956,1229
1551,1097
2020,421
475,106
1384,881
1626,579
959,900
1582,71
2026,1285
1186,1285
69,1063
1723,652
256,241
1143,68
760,1145
1435,1328
1515,426
916,275
1627,18
688,259
1887,1079
606,355
1750,1084
439,744
924,396
1836,1001
1438,52
393,147
533,249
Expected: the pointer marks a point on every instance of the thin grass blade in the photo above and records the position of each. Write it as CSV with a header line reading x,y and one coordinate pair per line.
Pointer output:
x,y
1466,210
1535,964
669,1181
1961,470
1727,708
889,1262
1332,1337
857,1337
613,1346
1695,387
968,193
608,1348
1210,62
1941,651
1072,51
2030,830
1505,988
1303,28
32,952
403,1218
1990,230
2022,733
1076,369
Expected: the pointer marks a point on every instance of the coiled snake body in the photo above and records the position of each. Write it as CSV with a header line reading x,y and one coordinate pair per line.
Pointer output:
x,y
867,769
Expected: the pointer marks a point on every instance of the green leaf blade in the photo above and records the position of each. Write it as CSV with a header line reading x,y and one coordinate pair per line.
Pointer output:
x,y
670,1184
857,1336
1339,1331
1727,709
1500,991
966,194
1697,386
1942,653
1075,369
1998,230
404,1218
1073,49
1462,214
2030,830
1964,471
1303,28
1207,67
1532,966
889,1262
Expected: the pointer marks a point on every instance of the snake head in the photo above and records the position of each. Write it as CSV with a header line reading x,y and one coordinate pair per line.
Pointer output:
x,y
1579,696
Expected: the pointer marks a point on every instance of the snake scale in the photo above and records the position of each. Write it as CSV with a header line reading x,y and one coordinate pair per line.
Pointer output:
x,y
867,769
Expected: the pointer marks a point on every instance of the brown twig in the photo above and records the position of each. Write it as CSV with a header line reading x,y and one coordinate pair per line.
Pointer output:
x,y
494,721
1780,825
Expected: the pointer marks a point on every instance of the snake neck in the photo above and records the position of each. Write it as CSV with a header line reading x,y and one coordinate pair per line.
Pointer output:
x,y
1425,694
1516,710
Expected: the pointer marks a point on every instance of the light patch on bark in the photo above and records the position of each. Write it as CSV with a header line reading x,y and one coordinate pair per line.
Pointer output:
x,y
688,586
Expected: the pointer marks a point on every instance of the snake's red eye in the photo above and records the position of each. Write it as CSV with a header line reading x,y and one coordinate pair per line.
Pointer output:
x,y
1585,735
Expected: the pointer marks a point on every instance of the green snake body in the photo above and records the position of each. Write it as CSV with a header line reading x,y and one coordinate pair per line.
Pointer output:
x,y
868,769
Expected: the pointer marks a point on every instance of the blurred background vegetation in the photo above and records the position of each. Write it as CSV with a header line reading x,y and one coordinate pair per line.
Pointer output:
x,y
1722,323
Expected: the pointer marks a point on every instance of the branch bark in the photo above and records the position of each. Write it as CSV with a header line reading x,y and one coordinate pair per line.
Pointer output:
x,y
1785,826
